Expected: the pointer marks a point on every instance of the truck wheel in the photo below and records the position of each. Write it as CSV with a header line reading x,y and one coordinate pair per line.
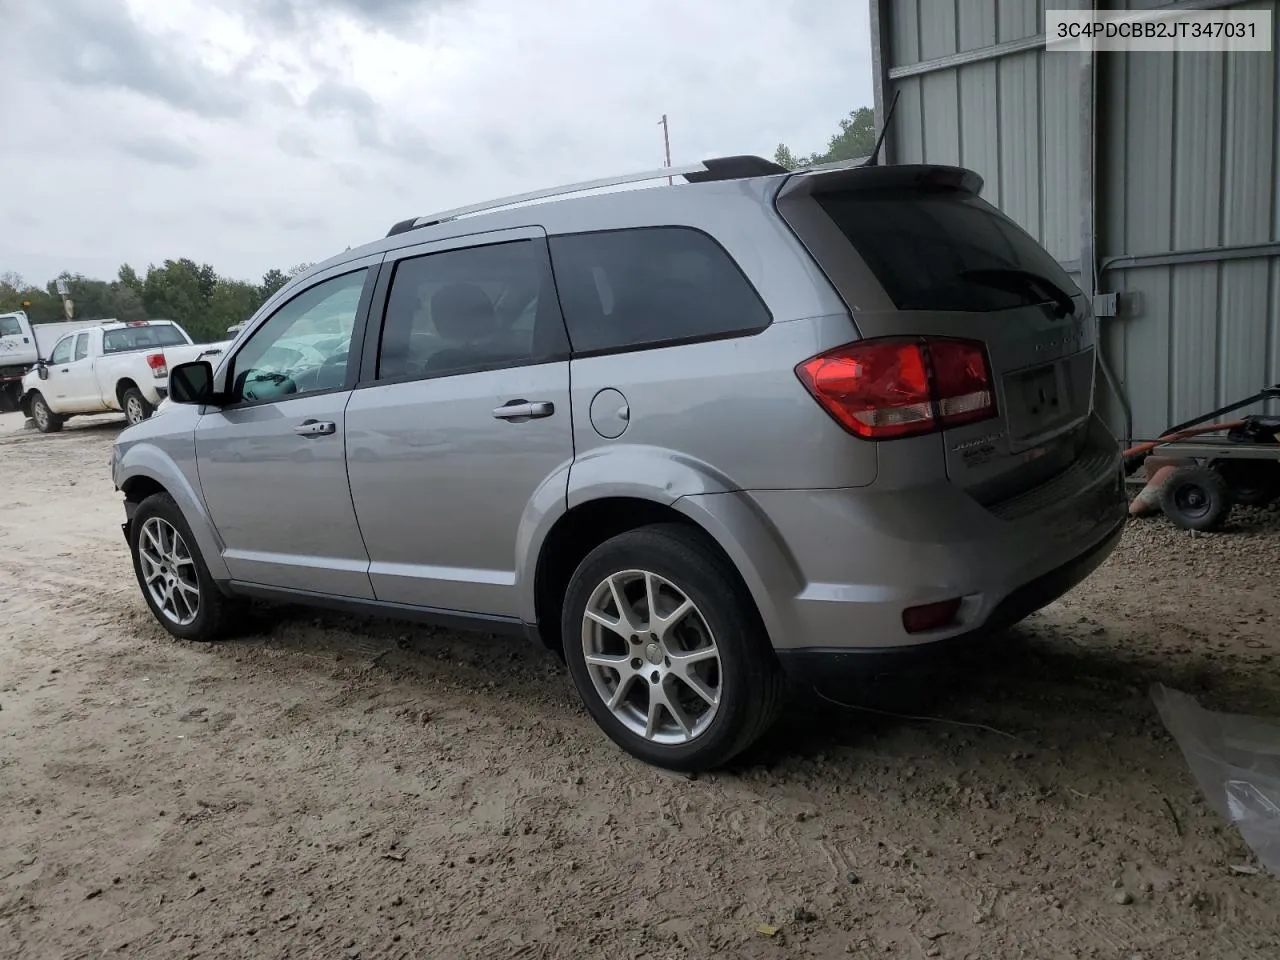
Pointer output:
x,y
667,651
46,420
136,407
10,394
1196,498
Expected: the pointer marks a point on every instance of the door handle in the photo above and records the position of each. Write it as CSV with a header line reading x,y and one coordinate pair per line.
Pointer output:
x,y
524,410
64,370
315,428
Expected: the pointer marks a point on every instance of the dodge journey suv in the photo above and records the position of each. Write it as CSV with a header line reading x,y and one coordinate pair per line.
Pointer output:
x,y
696,439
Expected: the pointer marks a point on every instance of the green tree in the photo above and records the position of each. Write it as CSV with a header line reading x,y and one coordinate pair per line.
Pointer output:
x,y
17,294
272,281
129,277
855,139
193,294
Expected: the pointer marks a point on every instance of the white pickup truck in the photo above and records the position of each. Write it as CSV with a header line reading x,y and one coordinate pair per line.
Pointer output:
x,y
113,366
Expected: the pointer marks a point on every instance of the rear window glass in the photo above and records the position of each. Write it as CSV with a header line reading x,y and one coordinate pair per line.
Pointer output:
x,y
9,327
949,251
624,289
140,338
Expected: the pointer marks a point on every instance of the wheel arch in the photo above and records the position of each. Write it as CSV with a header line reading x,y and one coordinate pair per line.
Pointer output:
x,y
583,527
145,470
123,384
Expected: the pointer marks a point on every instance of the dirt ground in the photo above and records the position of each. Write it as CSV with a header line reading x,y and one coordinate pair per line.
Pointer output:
x,y
327,787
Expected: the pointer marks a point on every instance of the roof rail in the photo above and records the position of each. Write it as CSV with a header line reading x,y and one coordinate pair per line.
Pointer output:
x,y
717,168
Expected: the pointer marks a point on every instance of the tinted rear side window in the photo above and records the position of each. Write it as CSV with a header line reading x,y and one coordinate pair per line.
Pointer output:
x,y
9,327
944,250
138,338
650,286
471,309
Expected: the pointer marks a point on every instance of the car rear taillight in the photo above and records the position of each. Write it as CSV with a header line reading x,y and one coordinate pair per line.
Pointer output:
x,y
157,364
902,386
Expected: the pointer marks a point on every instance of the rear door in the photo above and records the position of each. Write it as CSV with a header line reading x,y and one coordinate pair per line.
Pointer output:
x,y
460,430
935,260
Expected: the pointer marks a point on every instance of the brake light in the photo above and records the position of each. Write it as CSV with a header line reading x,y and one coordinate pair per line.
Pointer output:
x,y
902,386
159,368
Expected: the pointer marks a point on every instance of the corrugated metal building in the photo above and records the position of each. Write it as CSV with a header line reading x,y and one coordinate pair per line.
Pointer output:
x,y
1150,175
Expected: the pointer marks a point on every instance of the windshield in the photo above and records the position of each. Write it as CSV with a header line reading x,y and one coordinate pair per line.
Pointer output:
x,y
140,338
10,327
951,251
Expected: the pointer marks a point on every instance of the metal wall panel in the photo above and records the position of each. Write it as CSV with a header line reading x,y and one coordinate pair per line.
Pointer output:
x,y
1187,160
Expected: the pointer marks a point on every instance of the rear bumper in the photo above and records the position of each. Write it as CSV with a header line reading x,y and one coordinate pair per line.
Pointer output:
x,y
861,556
824,666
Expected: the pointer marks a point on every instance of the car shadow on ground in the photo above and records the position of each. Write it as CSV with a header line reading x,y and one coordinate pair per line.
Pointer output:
x,y
1027,690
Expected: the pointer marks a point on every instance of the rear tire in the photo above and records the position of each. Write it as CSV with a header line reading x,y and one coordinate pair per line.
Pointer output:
x,y
1253,483
689,691
1196,498
172,575
135,406
46,420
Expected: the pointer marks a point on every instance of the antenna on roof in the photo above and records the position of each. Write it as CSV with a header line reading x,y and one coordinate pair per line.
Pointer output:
x,y
874,159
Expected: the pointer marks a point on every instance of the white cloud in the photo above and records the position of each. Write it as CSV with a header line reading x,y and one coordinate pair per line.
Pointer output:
x,y
259,133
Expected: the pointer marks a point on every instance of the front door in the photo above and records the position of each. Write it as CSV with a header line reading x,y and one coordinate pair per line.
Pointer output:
x,y
56,387
463,430
272,461
79,380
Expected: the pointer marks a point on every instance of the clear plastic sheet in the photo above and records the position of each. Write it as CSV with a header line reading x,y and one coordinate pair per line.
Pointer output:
x,y
1236,761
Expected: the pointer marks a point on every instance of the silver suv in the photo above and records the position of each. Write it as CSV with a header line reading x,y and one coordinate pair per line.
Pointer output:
x,y
696,439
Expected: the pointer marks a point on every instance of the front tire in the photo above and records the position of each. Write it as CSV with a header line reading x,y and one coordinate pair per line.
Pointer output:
x,y
172,575
135,406
667,651
46,420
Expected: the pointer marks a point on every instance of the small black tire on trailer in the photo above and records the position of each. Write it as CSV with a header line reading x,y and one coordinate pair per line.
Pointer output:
x,y
667,650
1196,498
46,420
1253,483
135,406
175,582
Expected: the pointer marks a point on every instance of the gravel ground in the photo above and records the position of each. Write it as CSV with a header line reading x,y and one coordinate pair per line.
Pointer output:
x,y
327,787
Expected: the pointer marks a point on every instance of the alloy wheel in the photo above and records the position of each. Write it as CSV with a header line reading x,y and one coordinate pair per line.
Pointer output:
x,y
169,571
651,657
133,410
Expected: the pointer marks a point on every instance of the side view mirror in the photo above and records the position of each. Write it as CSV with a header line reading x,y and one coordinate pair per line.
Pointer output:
x,y
42,371
192,383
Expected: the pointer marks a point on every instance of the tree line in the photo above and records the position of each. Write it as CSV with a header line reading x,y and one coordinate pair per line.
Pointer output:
x,y
854,140
195,295
205,303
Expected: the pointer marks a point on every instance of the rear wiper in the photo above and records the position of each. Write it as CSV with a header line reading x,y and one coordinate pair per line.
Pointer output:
x,y
1015,279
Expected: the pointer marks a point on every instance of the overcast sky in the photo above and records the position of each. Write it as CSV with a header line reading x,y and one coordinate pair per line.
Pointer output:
x,y
259,133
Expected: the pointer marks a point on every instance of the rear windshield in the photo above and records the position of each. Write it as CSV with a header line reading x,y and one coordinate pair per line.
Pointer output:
x,y
9,327
946,250
139,338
